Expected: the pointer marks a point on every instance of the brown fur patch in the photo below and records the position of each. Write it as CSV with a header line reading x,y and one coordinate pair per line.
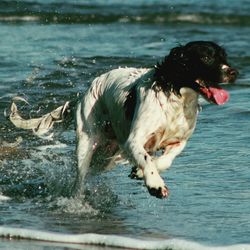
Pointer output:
x,y
153,141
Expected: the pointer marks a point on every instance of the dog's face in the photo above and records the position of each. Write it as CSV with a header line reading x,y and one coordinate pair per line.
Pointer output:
x,y
202,66
210,68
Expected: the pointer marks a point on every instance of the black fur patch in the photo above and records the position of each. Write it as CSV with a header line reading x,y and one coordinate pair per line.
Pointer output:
x,y
185,64
130,104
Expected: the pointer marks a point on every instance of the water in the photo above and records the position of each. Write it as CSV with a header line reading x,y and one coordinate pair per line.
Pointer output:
x,y
49,52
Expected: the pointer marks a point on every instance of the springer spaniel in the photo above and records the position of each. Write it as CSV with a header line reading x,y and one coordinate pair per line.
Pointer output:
x,y
148,114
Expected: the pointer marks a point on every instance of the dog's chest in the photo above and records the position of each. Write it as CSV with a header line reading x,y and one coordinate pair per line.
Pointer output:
x,y
180,120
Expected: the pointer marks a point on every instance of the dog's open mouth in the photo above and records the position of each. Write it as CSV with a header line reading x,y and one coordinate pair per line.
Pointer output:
x,y
216,95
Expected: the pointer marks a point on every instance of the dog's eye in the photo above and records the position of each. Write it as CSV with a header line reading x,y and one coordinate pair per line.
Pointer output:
x,y
207,60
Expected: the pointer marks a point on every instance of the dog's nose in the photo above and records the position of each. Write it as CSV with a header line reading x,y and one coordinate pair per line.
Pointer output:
x,y
232,72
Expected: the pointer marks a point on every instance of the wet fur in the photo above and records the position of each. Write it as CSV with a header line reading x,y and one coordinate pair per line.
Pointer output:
x,y
148,110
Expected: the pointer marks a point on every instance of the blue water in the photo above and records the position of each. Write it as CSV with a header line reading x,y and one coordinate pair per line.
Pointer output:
x,y
51,50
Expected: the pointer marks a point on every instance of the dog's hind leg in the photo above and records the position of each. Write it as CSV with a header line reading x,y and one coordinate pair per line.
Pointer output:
x,y
84,149
84,152
106,154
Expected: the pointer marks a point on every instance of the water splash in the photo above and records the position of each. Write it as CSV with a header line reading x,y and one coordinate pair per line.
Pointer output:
x,y
74,205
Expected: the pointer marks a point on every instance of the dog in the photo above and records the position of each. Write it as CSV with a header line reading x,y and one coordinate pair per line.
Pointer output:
x,y
145,115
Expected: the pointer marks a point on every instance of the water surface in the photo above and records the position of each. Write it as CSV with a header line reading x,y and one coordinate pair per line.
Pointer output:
x,y
51,50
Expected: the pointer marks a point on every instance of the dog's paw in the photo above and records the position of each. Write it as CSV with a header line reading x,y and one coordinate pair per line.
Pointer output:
x,y
136,173
155,184
161,192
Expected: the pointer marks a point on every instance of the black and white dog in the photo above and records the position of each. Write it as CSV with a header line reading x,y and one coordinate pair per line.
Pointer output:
x,y
138,112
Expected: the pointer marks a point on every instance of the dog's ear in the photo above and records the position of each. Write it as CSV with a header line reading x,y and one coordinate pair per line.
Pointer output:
x,y
176,67
178,57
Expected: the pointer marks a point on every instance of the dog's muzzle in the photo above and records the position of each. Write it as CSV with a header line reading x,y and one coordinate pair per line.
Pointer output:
x,y
229,74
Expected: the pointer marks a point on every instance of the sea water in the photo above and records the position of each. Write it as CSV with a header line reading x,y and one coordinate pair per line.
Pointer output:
x,y
49,52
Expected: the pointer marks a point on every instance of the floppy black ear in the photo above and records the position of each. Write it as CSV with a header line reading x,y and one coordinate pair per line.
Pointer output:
x,y
175,68
178,58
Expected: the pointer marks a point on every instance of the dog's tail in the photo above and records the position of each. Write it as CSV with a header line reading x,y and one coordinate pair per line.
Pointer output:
x,y
42,126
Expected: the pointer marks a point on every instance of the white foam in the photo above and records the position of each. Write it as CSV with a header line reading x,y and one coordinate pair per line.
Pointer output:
x,y
19,18
4,198
110,240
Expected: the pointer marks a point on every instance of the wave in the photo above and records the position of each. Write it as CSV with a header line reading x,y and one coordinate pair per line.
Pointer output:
x,y
103,240
165,18
90,13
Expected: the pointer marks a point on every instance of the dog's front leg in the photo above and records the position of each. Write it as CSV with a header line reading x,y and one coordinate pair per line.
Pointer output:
x,y
144,161
147,118
164,161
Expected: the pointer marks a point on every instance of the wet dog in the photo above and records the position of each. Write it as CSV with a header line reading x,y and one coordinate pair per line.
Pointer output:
x,y
145,115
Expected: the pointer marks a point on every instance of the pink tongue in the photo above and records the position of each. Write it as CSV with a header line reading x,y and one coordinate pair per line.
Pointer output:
x,y
220,96
216,95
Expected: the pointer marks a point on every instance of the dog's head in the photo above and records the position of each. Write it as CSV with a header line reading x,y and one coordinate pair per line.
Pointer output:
x,y
200,65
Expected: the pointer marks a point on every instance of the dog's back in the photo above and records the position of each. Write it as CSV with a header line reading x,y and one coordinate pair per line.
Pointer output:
x,y
105,101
